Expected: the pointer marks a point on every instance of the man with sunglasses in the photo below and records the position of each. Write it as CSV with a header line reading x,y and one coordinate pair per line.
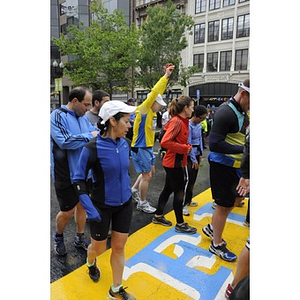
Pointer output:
x,y
226,143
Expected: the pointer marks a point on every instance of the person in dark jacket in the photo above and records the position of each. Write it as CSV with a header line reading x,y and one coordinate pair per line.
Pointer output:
x,y
108,157
226,144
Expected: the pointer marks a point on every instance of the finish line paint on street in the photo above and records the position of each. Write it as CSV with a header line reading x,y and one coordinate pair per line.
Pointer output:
x,y
163,264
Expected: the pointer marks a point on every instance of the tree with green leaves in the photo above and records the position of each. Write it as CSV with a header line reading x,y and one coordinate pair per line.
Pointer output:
x,y
162,40
102,55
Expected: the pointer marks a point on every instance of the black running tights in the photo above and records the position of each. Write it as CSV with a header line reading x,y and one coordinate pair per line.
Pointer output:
x,y
175,182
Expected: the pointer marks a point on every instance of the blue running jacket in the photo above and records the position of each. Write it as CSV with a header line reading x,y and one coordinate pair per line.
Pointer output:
x,y
69,134
109,162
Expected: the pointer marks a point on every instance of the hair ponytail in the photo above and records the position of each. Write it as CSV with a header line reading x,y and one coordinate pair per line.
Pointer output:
x,y
102,127
177,105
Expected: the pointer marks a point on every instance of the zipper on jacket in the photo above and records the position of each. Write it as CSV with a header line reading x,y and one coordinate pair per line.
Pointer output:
x,y
120,175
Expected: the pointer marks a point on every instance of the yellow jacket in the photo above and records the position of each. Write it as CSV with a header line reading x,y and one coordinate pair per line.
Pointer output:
x,y
143,134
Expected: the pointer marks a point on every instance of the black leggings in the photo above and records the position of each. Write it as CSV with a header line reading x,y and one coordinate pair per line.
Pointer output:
x,y
176,181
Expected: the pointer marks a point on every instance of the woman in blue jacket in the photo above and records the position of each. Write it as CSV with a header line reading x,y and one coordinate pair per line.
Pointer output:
x,y
108,157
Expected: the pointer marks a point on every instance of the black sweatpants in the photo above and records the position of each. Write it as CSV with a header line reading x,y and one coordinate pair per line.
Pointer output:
x,y
176,182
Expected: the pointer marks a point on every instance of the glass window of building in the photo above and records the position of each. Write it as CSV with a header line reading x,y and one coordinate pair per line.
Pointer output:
x,y
243,26
54,20
241,1
212,62
199,61
199,33
214,4
227,29
241,59
200,6
213,31
228,2
225,60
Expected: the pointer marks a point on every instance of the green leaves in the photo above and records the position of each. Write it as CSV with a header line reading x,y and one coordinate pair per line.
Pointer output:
x,y
100,55
111,56
162,40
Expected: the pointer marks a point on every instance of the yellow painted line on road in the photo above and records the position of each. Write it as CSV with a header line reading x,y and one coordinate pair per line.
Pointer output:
x,y
162,264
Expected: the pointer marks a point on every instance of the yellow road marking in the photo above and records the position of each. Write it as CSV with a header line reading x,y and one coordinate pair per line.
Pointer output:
x,y
148,283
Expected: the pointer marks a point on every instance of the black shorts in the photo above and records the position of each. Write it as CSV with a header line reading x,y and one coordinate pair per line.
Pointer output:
x,y
66,196
223,181
120,217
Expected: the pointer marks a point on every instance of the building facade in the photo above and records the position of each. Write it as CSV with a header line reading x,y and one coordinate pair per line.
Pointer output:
x,y
71,12
219,45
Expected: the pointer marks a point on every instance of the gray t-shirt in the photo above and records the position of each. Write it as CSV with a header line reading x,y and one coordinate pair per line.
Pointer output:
x,y
93,118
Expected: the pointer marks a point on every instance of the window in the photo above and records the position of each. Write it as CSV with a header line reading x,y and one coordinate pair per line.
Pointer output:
x,y
213,31
241,59
228,2
199,61
199,34
62,9
200,6
243,26
214,4
225,60
212,62
63,29
227,29
240,1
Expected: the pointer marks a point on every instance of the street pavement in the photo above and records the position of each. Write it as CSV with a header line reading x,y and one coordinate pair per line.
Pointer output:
x,y
75,258
164,264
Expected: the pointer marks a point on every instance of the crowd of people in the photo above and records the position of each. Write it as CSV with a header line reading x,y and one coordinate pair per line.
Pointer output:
x,y
93,139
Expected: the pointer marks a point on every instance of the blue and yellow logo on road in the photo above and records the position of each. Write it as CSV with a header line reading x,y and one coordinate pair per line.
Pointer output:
x,y
163,264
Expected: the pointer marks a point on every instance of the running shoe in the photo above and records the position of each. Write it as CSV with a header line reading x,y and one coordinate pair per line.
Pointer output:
x,y
185,211
135,196
121,294
193,204
146,207
59,245
94,271
228,291
162,221
222,252
214,205
185,228
207,230
81,242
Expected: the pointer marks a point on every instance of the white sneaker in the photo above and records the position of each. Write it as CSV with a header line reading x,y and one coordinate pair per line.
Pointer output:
x,y
185,211
145,207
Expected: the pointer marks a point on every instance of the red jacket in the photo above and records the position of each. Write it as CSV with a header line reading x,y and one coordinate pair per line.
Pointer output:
x,y
175,140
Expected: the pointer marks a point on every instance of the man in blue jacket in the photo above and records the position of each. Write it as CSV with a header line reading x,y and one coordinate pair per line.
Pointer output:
x,y
70,131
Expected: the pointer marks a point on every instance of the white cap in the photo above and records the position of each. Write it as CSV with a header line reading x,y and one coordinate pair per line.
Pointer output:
x,y
111,108
159,100
241,85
